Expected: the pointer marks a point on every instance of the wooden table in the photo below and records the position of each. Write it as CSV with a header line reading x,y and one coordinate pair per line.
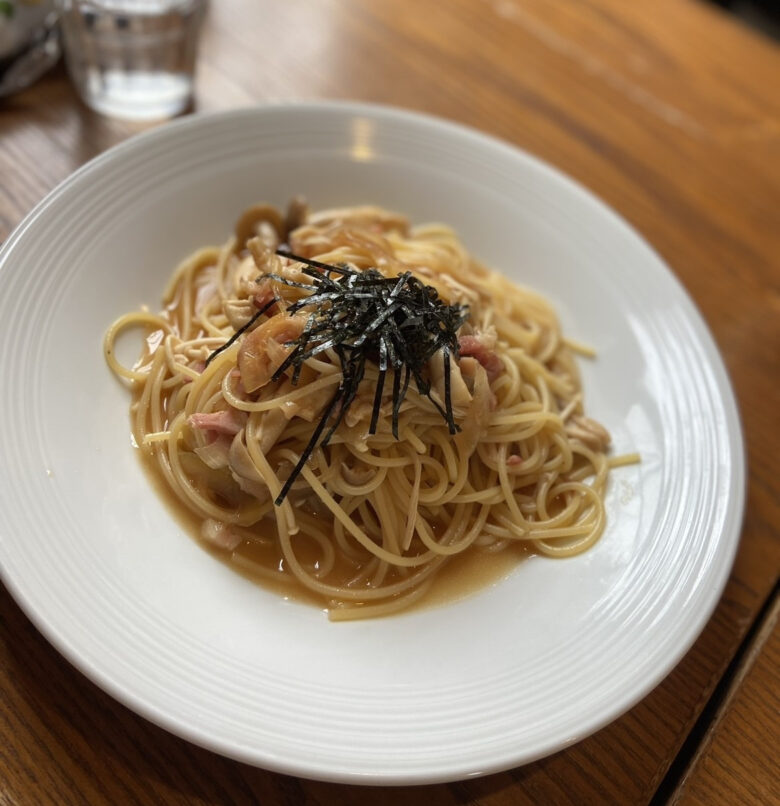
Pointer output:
x,y
670,112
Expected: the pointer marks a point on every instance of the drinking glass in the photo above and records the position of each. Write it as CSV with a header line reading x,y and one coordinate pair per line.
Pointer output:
x,y
132,59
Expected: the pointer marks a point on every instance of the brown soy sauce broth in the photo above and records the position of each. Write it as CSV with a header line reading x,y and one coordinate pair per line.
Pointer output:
x,y
461,576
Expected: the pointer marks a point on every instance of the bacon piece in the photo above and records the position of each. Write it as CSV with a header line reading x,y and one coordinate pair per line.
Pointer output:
x,y
481,346
228,421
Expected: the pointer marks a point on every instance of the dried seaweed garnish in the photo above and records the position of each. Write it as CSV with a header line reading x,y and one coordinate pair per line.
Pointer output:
x,y
397,323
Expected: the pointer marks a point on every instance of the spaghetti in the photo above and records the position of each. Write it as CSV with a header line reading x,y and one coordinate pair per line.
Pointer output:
x,y
357,456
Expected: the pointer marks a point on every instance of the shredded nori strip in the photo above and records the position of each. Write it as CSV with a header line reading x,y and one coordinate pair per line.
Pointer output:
x,y
397,323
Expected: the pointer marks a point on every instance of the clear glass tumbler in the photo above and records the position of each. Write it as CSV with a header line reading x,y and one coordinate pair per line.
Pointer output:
x,y
132,59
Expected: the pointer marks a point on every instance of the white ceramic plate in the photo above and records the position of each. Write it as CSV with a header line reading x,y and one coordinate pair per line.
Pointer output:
x,y
517,671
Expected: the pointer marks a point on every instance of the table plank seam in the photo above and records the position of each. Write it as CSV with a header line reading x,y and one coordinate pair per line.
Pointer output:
x,y
671,788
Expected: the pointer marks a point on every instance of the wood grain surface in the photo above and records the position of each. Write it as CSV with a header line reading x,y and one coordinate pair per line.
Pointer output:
x,y
737,762
670,113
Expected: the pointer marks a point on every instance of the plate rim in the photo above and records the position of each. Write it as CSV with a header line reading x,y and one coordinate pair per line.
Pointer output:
x,y
737,476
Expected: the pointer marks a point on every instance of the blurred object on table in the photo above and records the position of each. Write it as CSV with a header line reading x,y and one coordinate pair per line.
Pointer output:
x,y
132,59
763,15
29,42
